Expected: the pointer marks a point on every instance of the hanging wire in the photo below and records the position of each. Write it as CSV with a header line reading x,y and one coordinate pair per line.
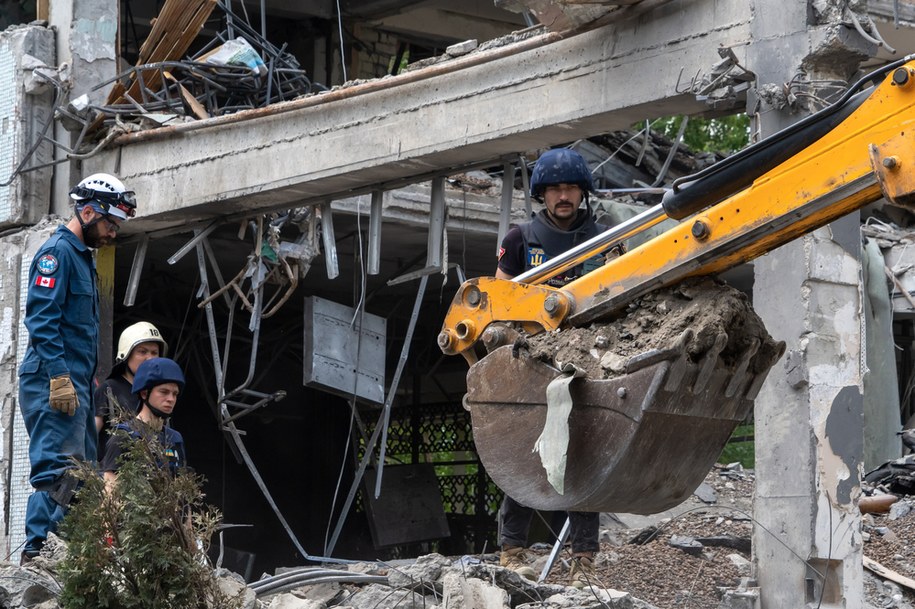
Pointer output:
x,y
340,30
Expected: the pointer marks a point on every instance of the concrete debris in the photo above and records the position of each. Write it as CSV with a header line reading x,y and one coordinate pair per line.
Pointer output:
x,y
431,581
706,494
726,541
687,544
233,586
466,592
900,509
746,596
896,477
495,43
743,565
423,573
462,48
655,321
290,601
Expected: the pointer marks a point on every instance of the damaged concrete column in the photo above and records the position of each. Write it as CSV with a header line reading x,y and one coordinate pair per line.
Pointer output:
x,y
10,259
87,37
807,546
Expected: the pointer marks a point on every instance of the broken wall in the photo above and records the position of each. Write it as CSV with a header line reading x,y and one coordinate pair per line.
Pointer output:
x,y
375,55
10,259
26,104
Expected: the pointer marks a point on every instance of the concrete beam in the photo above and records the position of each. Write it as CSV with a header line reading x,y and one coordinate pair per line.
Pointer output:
x,y
523,96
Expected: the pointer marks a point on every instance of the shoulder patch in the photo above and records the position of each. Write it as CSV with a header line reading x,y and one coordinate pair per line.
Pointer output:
x,y
47,264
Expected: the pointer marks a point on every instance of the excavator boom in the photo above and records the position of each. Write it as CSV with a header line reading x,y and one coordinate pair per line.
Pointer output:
x,y
621,455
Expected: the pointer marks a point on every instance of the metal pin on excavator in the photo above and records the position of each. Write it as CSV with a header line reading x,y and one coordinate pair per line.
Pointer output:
x,y
643,441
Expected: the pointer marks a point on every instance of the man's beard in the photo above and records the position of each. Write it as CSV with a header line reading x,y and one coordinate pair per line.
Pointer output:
x,y
93,237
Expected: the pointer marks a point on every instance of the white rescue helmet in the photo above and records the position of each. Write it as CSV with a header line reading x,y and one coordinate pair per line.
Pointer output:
x,y
140,332
106,194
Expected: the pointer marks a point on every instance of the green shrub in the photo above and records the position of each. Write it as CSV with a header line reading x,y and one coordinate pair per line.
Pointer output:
x,y
135,545
740,448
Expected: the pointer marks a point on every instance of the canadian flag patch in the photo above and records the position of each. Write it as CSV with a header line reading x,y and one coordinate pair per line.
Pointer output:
x,y
45,282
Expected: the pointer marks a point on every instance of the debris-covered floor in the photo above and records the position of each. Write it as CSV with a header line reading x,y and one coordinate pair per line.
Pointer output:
x,y
645,562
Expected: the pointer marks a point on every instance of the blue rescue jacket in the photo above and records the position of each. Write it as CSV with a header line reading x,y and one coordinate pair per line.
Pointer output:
x,y
62,312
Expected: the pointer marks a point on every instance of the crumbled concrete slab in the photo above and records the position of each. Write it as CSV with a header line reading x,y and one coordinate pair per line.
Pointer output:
x,y
290,601
462,48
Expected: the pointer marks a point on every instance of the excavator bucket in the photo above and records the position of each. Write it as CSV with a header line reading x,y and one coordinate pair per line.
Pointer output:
x,y
640,441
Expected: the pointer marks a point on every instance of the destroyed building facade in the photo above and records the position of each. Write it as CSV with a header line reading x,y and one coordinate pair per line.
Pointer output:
x,y
299,238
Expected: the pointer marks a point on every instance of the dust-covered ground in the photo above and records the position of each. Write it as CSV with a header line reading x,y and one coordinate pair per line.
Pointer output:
x,y
694,314
642,561
670,577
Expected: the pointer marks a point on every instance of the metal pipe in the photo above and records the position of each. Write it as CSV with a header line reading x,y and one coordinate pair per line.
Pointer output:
x,y
198,236
215,266
395,382
436,223
136,271
330,245
554,553
589,248
211,322
505,207
525,186
343,578
374,257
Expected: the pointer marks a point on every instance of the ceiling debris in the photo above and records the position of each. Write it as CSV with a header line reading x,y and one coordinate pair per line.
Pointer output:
x,y
172,33
238,69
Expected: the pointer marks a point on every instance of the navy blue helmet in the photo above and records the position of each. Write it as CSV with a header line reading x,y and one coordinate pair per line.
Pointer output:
x,y
560,166
156,371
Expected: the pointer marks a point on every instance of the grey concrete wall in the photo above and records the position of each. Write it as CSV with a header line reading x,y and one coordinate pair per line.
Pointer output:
x,y
25,105
10,261
86,42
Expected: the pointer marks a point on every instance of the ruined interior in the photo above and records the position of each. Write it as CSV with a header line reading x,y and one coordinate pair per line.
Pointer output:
x,y
414,129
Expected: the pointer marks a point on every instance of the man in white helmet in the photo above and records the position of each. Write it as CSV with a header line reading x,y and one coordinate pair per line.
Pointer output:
x,y
55,378
137,343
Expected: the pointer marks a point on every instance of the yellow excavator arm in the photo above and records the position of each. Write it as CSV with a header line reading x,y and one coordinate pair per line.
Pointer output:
x,y
869,154
642,436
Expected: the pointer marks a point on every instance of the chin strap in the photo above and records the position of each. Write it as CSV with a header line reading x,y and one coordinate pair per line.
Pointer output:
x,y
158,413
87,225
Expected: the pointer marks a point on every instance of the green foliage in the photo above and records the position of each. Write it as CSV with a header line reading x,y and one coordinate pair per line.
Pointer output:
x,y
135,544
726,134
740,448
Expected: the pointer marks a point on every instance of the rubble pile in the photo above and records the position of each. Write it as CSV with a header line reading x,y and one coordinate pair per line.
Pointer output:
x,y
657,321
697,555
888,513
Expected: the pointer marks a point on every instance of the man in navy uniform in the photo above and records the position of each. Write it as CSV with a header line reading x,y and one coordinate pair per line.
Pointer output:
x,y
561,180
55,378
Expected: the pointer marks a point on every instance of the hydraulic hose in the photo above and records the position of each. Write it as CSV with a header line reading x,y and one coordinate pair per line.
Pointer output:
x,y
695,192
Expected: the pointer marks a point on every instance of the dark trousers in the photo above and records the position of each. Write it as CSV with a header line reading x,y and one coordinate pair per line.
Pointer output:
x,y
515,522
